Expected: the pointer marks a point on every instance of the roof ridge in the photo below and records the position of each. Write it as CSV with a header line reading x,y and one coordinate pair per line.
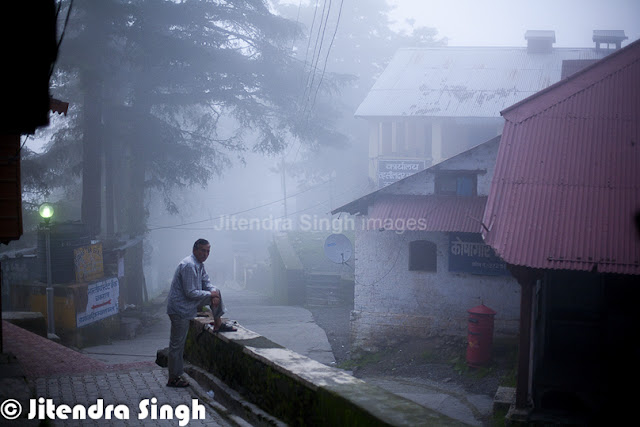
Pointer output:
x,y
572,78
574,94
489,47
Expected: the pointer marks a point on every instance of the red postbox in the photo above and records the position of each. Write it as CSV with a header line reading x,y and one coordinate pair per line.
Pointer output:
x,y
480,335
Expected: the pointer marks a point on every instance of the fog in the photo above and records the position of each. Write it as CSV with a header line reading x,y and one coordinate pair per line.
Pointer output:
x,y
504,22
240,210
235,121
255,191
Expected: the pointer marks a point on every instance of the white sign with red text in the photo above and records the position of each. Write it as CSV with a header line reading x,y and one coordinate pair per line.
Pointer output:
x,y
102,301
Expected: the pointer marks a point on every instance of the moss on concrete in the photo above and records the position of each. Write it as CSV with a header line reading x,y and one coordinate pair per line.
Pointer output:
x,y
262,373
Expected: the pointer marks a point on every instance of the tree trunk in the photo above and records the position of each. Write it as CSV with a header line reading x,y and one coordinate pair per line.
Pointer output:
x,y
91,157
109,185
136,225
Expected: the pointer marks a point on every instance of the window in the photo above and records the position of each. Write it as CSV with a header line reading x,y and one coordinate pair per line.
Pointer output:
x,y
451,184
422,256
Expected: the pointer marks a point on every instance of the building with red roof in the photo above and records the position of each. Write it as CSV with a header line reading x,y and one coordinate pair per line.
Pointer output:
x,y
562,212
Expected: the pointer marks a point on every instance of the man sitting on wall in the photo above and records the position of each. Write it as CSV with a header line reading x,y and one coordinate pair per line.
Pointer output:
x,y
190,289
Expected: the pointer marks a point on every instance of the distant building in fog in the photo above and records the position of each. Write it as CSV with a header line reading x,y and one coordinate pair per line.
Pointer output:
x,y
432,103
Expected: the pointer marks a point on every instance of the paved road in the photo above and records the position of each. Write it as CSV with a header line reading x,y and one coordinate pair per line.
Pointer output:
x,y
61,376
291,327
447,399
124,371
294,328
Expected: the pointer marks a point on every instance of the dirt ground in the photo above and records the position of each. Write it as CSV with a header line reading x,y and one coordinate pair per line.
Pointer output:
x,y
441,359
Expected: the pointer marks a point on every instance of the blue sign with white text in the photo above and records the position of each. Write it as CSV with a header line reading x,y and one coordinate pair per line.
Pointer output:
x,y
469,254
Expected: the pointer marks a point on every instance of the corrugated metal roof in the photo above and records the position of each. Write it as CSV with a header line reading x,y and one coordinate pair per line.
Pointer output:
x,y
429,213
464,81
567,178
572,66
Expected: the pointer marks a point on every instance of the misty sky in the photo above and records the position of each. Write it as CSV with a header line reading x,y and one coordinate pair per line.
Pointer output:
x,y
504,22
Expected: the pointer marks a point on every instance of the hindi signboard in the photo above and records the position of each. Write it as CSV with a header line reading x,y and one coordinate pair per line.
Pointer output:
x,y
88,262
102,301
469,254
390,171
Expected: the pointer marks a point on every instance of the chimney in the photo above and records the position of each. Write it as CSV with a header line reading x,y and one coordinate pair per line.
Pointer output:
x,y
610,38
540,41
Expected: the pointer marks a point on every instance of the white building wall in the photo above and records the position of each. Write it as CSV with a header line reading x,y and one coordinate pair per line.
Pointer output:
x,y
482,158
393,304
419,184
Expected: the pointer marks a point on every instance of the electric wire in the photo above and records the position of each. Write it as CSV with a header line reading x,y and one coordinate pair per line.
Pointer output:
x,y
17,155
293,41
313,21
379,279
326,59
306,54
181,226
235,213
316,55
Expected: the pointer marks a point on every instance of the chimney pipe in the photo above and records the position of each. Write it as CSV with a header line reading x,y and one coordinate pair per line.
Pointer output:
x,y
609,38
540,41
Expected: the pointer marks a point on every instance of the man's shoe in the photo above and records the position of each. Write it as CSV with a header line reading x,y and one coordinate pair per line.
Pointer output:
x,y
225,328
177,382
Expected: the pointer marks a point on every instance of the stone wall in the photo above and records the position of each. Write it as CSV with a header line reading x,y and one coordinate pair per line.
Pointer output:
x,y
296,389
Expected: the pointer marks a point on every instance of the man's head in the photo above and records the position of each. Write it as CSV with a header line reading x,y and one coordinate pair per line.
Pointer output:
x,y
201,250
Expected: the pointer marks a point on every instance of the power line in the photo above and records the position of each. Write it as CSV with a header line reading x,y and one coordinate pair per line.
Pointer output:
x,y
313,21
315,57
326,59
398,252
13,158
293,42
181,226
239,212
306,53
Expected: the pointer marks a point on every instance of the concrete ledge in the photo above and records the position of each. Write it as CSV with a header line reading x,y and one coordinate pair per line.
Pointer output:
x,y
296,389
29,320
504,398
226,397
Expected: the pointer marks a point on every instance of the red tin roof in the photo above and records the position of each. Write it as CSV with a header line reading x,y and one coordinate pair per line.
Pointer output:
x,y
567,179
429,213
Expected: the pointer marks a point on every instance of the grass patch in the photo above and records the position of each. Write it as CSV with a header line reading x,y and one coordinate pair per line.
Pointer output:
x,y
509,352
510,378
499,418
364,360
462,368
